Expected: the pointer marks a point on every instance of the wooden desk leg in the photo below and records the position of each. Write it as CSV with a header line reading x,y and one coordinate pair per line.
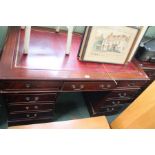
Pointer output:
x,y
69,39
27,39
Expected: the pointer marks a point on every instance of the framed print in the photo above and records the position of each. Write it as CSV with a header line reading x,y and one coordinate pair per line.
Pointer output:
x,y
109,44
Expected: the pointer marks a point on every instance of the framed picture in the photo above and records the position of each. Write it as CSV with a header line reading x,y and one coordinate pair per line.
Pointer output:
x,y
110,44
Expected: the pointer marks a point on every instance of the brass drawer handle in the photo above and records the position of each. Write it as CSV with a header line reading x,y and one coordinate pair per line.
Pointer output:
x,y
35,107
110,109
122,94
105,86
115,102
29,116
28,85
118,102
36,98
80,87
102,86
109,85
27,98
27,107
131,84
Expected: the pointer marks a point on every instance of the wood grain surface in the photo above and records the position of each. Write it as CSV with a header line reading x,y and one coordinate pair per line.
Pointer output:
x,y
86,123
140,114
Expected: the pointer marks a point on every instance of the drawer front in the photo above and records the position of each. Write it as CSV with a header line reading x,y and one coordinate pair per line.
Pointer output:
x,y
113,103
150,73
30,115
11,98
110,109
88,86
123,94
131,84
107,111
31,85
33,107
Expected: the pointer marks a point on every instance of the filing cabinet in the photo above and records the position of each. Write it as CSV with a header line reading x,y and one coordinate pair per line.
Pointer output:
x,y
30,101
114,101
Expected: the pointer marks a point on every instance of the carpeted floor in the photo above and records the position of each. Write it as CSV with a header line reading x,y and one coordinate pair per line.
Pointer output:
x,y
3,116
71,106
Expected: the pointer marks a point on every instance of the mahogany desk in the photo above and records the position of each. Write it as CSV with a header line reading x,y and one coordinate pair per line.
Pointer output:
x,y
31,83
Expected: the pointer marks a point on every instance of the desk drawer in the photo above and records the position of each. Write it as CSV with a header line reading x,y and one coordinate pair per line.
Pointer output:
x,y
30,115
123,94
110,103
105,110
150,73
31,85
110,109
88,86
33,107
115,102
131,83
11,98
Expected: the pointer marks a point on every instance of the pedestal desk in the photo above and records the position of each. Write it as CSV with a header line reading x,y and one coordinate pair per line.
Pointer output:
x,y
31,83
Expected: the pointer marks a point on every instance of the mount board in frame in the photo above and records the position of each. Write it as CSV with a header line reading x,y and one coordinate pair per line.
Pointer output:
x,y
109,44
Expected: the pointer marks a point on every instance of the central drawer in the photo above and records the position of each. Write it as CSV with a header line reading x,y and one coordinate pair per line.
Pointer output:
x,y
31,85
88,86
11,98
